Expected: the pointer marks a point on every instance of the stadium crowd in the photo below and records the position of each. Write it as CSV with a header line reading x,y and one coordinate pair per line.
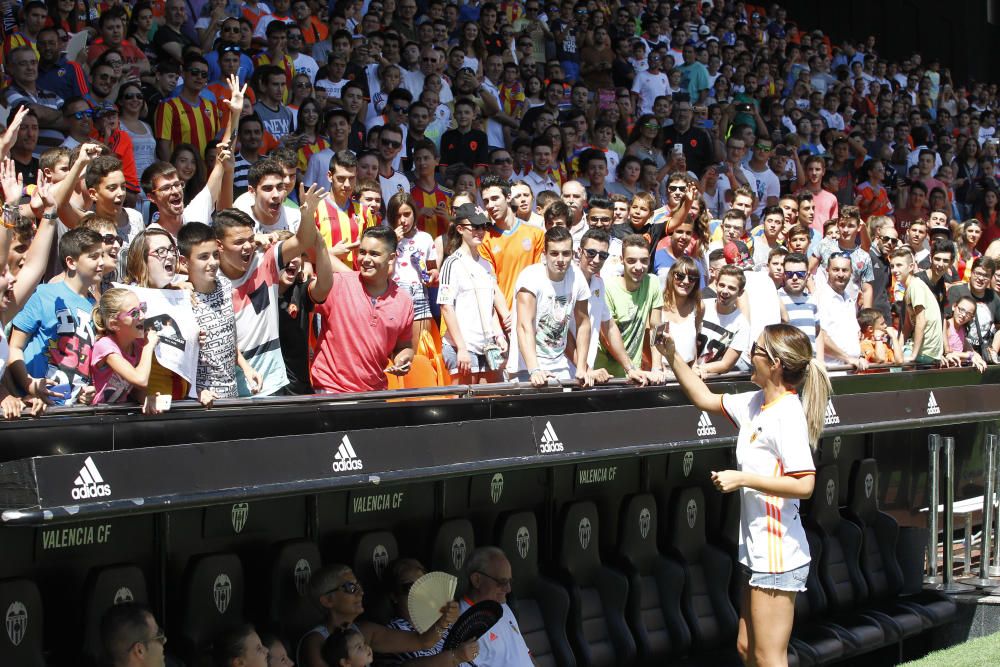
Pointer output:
x,y
296,198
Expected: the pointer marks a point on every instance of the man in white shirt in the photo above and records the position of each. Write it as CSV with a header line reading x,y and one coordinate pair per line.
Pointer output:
x,y
547,296
838,315
650,84
575,196
489,579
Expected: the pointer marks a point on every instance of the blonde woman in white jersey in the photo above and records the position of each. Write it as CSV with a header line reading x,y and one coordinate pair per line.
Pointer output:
x,y
777,431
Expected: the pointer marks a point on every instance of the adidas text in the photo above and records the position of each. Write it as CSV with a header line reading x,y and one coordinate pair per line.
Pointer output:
x,y
346,459
831,415
89,483
705,427
550,442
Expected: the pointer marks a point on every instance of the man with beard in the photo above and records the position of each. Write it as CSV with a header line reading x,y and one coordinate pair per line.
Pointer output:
x,y
338,126
63,77
575,196
838,314
255,279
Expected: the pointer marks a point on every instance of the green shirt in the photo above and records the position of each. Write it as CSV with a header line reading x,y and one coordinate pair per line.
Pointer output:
x,y
918,294
631,311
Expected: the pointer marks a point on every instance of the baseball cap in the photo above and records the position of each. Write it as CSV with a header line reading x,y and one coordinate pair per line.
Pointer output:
x,y
704,30
105,108
737,252
472,215
939,229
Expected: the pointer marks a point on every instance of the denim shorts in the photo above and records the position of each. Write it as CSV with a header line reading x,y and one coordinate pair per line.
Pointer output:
x,y
790,580
450,355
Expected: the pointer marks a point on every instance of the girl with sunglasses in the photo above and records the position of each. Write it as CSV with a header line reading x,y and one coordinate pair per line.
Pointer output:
x,y
778,430
123,354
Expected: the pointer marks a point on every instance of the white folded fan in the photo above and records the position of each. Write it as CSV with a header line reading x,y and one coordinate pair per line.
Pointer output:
x,y
427,595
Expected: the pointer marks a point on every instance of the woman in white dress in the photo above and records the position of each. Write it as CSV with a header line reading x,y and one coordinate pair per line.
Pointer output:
x,y
132,107
682,308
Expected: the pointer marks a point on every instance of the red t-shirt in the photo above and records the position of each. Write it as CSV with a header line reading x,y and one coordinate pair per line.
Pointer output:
x,y
357,337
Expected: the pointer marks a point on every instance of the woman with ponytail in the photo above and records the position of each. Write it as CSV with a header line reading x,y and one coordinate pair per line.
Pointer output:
x,y
777,433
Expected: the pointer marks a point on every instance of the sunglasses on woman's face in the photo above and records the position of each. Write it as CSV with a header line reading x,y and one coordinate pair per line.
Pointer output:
x,y
683,277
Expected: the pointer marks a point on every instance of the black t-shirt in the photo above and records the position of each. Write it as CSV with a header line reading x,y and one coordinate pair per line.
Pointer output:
x,y
938,288
880,286
28,172
983,327
469,149
622,73
697,146
652,233
167,35
294,307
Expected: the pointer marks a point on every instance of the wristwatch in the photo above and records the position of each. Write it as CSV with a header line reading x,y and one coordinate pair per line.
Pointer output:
x,y
50,216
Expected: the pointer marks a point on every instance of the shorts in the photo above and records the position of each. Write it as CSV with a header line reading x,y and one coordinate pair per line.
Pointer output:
x,y
421,305
791,580
450,356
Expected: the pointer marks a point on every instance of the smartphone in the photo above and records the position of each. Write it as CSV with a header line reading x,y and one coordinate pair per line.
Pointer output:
x,y
659,332
163,402
678,148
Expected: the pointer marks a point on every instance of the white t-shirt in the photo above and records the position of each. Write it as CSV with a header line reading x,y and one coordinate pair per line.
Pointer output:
x,y
412,255
390,186
305,64
720,332
318,169
839,321
773,441
502,645
288,218
554,305
768,185
648,87
765,307
600,312
467,285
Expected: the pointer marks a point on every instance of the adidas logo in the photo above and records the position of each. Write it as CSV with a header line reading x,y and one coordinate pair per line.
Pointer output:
x,y
346,459
550,441
705,427
932,405
831,414
89,483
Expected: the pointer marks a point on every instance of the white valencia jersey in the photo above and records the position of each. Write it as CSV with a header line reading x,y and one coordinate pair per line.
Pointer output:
x,y
773,441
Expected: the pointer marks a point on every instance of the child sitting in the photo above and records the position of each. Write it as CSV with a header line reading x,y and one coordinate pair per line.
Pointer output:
x,y
879,343
346,647
123,354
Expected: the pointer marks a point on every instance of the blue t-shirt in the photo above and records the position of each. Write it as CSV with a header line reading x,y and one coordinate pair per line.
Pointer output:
x,y
60,335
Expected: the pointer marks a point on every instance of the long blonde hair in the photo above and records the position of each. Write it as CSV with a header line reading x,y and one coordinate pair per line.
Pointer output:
x,y
107,309
792,348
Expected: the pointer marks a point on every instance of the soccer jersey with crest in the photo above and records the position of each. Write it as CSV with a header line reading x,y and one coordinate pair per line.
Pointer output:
x,y
773,441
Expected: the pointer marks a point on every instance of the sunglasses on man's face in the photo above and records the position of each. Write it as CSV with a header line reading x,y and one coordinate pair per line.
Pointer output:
x,y
389,143
789,275
591,253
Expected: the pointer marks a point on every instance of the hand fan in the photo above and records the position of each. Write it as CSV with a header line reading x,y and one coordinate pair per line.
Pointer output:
x,y
427,595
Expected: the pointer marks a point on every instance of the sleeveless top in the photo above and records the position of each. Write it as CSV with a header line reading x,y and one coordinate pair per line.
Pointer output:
x,y
323,632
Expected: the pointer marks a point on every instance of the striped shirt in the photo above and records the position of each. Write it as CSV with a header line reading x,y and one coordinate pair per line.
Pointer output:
x,y
179,122
306,152
336,224
47,137
438,200
803,313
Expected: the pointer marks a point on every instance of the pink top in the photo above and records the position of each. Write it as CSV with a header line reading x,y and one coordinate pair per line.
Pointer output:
x,y
955,337
824,208
111,387
357,337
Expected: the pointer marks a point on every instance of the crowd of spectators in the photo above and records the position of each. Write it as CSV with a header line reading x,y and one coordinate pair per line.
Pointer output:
x,y
294,198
